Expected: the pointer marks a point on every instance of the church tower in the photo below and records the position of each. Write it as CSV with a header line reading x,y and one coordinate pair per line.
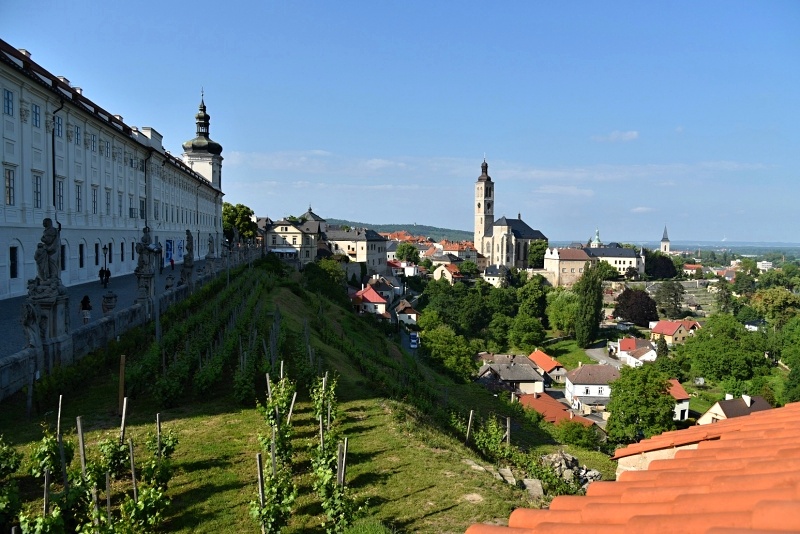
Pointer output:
x,y
484,207
665,242
201,153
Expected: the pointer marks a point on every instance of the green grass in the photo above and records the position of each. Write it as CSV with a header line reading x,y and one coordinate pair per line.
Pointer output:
x,y
407,474
568,354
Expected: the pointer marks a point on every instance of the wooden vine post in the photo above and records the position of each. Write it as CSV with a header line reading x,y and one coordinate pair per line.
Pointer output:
x,y
260,466
121,382
469,425
61,445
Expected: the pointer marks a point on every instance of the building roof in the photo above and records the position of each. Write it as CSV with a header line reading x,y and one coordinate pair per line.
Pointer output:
x,y
368,294
572,254
496,270
737,476
629,344
311,216
611,252
552,410
512,372
520,229
743,406
641,352
543,361
667,328
677,391
337,233
598,375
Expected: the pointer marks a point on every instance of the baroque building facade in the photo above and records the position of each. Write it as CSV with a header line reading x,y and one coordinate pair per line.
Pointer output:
x,y
99,179
503,241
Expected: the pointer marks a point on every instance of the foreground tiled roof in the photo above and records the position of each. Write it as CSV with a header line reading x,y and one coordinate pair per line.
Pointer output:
x,y
737,476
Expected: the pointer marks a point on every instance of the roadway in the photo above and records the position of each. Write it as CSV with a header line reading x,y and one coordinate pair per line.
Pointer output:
x,y
13,338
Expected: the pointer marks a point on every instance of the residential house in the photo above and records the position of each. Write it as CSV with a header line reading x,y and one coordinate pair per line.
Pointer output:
x,y
402,268
692,269
552,410
294,238
361,245
512,373
730,407
380,285
681,400
548,367
464,250
368,300
589,387
673,331
738,475
406,313
496,275
633,352
449,272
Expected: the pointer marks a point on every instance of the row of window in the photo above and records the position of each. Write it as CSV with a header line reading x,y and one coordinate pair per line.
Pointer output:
x,y
13,257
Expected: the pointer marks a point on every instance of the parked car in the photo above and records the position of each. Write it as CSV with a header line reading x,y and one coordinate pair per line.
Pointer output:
x,y
414,340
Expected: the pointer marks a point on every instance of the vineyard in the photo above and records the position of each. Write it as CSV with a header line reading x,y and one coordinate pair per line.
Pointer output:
x,y
283,412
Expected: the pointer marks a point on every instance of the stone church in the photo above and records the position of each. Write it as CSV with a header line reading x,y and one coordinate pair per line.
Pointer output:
x,y
503,241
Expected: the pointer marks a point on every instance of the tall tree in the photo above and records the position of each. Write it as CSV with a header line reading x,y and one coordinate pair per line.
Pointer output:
x,y
662,349
526,333
407,252
659,266
669,298
640,406
536,253
532,297
723,297
589,289
776,304
239,217
562,309
607,271
636,306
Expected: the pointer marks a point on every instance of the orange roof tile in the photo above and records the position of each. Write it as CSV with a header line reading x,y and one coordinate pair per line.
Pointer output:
x,y
543,360
677,391
552,410
667,328
738,476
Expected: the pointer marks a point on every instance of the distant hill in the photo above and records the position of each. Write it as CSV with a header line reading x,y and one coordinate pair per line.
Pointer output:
x,y
431,232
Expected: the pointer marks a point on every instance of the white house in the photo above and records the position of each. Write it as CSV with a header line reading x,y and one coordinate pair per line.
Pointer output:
x,y
589,386
681,400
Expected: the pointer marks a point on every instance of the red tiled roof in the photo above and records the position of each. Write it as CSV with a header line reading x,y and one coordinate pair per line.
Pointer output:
x,y
667,328
572,254
543,361
742,477
552,410
368,294
628,344
677,391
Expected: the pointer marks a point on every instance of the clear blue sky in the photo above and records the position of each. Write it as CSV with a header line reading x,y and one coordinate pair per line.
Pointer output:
x,y
625,116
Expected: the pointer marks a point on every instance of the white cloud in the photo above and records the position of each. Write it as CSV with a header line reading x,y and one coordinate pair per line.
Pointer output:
x,y
641,209
617,137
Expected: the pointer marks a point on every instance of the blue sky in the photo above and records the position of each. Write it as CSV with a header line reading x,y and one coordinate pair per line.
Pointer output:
x,y
622,116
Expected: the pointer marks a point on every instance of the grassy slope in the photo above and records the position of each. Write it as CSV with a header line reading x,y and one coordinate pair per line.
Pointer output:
x,y
411,477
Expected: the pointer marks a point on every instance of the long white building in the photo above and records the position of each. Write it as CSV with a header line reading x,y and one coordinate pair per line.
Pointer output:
x,y
66,158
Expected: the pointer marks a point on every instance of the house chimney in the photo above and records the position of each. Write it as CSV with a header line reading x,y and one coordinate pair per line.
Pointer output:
x,y
571,415
63,79
580,364
535,395
24,52
748,400
78,90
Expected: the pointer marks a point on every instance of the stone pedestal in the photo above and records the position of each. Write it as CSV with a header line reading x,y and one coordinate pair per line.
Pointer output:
x,y
145,290
109,302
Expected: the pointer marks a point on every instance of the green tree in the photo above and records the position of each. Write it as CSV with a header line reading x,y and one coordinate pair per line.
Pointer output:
x,y
744,283
450,351
328,278
407,252
239,217
532,297
669,298
636,306
662,350
640,406
589,289
562,310
536,253
497,332
607,271
658,266
723,348
526,333
777,305
723,297
468,268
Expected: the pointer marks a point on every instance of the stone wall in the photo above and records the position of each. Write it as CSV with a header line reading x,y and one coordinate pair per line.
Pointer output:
x,y
15,370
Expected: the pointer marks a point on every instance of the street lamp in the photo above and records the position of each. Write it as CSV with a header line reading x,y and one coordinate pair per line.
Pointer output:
x,y
104,278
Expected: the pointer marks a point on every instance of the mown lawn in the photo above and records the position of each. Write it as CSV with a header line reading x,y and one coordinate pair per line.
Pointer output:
x,y
568,354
